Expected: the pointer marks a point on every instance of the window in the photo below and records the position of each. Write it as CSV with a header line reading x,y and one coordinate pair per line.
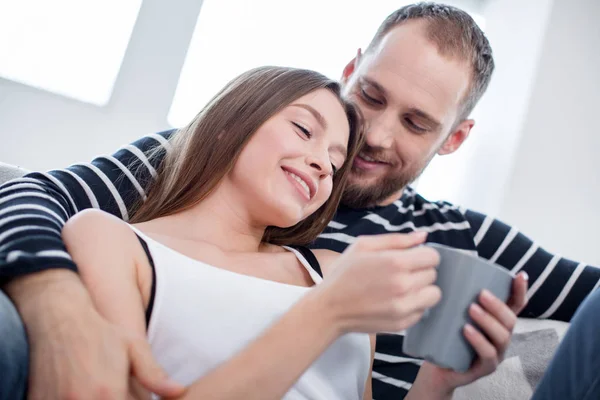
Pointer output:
x,y
232,36
69,47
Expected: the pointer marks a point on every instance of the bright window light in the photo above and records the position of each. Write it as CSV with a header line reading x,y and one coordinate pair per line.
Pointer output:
x,y
232,36
70,47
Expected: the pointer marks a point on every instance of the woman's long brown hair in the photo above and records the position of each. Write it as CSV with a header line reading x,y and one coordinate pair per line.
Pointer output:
x,y
206,150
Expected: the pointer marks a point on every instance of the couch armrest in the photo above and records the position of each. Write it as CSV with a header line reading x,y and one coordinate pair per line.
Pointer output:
x,y
8,172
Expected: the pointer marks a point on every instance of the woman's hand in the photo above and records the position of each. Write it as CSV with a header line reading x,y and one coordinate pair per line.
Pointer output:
x,y
496,320
382,283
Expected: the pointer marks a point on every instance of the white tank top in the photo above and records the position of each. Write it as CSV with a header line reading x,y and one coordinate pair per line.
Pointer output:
x,y
203,315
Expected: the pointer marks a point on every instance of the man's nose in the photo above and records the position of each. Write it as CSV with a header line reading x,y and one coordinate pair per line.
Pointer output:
x,y
380,132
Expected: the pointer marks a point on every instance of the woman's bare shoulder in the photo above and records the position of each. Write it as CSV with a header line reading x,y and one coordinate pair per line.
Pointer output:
x,y
97,240
92,224
95,233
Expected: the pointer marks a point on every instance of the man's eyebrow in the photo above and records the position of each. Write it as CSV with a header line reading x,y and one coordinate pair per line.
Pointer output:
x,y
376,85
318,116
435,124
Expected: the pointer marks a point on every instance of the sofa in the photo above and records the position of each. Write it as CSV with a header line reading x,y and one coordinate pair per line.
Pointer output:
x,y
8,172
532,346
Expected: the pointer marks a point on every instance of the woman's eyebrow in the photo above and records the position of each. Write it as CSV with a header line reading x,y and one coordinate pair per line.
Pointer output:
x,y
318,116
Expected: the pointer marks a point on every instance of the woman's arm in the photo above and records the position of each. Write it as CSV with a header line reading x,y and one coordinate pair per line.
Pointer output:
x,y
105,251
326,260
269,366
41,277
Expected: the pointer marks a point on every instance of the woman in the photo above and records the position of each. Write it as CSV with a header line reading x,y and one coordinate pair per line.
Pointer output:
x,y
215,261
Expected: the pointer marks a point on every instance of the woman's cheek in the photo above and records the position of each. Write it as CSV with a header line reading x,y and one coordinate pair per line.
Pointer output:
x,y
325,191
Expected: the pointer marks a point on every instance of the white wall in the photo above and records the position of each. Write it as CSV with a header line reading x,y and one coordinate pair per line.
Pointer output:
x,y
476,175
40,130
554,190
534,139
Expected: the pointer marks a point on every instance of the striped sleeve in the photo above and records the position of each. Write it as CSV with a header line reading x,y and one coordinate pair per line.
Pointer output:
x,y
34,208
557,286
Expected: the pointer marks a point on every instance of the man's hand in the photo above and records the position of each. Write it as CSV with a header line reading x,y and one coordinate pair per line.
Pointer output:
x,y
74,352
496,320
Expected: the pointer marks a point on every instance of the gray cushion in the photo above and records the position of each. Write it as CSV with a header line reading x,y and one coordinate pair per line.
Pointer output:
x,y
8,172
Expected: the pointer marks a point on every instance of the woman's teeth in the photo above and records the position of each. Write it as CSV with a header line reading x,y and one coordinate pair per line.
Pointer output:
x,y
301,182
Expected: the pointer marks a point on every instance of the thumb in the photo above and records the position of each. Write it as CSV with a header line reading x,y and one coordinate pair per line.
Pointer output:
x,y
145,368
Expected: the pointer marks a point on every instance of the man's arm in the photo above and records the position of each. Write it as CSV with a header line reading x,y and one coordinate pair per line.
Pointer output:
x,y
33,209
557,286
73,350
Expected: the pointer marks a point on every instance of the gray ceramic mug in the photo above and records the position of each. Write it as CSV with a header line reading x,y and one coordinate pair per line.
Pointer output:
x,y
438,337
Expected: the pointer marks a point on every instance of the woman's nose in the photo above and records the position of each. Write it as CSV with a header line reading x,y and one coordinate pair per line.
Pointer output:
x,y
320,165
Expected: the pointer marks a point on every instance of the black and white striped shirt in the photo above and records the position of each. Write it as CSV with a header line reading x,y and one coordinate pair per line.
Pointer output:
x,y
34,208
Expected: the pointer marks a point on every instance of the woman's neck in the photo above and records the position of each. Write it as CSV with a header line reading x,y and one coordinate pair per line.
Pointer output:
x,y
220,220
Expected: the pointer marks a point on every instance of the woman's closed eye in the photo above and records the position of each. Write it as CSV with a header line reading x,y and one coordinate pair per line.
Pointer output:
x,y
303,129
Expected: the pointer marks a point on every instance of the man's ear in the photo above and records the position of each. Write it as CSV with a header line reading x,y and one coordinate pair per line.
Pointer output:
x,y
351,67
457,138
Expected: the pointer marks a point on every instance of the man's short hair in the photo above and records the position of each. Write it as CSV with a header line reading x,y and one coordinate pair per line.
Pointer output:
x,y
456,35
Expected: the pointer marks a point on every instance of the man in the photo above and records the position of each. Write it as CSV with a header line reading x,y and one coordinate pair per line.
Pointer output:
x,y
421,76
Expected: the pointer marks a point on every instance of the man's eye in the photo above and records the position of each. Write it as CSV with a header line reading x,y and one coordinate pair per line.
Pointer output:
x,y
369,99
414,126
304,131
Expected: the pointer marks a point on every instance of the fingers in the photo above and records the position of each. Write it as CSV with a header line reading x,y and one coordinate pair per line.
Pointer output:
x,y
149,373
413,259
137,391
495,331
496,319
518,299
419,301
422,278
486,352
498,309
413,281
404,323
389,241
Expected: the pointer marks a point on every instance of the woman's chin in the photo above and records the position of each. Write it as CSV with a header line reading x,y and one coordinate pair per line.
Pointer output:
x,y
286,217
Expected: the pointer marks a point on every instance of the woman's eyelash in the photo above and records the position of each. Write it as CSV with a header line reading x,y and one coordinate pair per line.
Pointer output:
x,y
305,131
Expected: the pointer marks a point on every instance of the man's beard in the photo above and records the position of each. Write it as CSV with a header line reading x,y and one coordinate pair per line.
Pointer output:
x,y
357,195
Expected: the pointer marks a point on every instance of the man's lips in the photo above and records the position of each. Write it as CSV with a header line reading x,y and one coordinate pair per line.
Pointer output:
x,y
366,162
